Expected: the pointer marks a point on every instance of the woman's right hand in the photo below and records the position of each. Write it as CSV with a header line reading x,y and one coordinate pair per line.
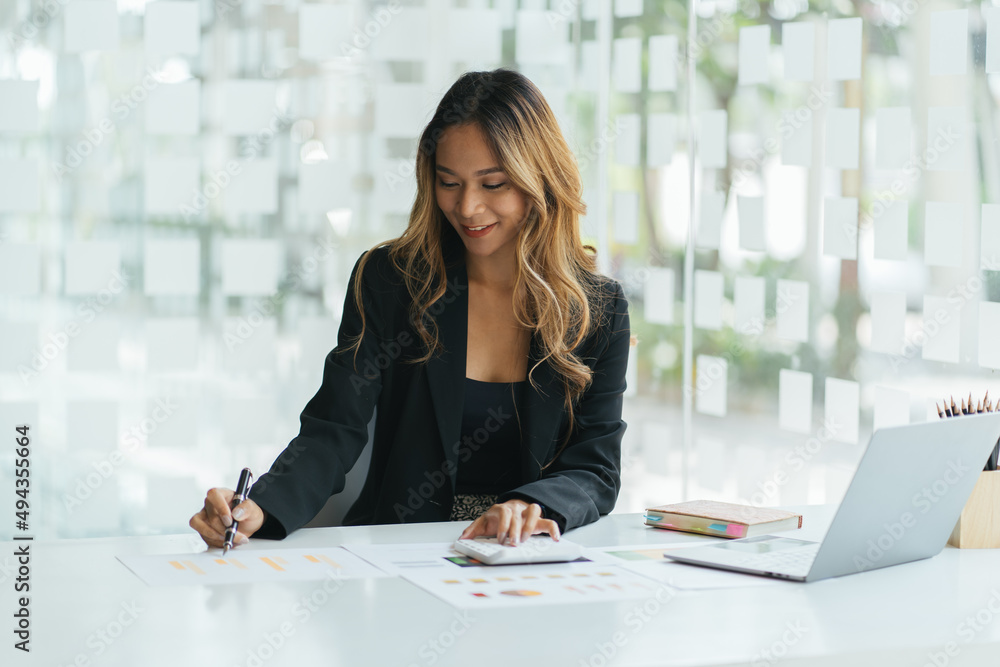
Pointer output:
x,y
211,522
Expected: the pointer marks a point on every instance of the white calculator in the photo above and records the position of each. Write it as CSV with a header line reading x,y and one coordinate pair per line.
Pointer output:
x,y
538,549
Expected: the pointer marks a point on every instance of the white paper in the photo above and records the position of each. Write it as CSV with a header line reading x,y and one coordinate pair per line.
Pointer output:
x,y
989,334
949,41
20,269
711,385
255,189
250,267
792,306
798,46
400,110
989,251
92,425
19,111
843,52
749,293
795,401
842,403
248,421
891,230
888,321
842,138
658,295
840,227
474,35
754,50
172,183
713,145
20,188
250,563
946,137
708,286
626,211
627,141
661,139
662,62
710,219
90,25
943,231
95,348
539,40
248,106
173,28
172,266
750,212
325,31
93,266
692,578
626,72
174,108
406,37
941,330
992,39
892,407
892,137
796,148
171,344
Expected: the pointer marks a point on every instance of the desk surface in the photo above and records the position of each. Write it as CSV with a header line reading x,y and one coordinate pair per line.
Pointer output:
x,y
898,615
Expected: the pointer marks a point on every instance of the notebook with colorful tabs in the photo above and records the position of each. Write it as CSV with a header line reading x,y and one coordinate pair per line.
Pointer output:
x,y
709,517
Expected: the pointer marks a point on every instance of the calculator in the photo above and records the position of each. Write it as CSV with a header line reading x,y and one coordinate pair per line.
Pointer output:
x,y
538,549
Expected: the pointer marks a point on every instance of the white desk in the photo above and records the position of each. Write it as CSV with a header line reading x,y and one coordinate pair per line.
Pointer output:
x,y
884,617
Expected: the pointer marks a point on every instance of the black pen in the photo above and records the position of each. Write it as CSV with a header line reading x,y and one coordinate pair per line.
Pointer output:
x,y
242,488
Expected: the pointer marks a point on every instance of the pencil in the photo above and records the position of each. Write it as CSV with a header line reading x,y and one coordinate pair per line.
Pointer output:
x,y
940,414
954,408
979,407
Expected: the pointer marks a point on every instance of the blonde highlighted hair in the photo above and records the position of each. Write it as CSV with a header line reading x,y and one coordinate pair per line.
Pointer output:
x,y
556,282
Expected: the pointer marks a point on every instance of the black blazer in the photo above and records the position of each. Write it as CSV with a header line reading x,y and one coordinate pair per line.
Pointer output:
x,y
418,423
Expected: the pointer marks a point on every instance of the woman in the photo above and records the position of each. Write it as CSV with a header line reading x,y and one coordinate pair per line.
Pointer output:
x,y
493,350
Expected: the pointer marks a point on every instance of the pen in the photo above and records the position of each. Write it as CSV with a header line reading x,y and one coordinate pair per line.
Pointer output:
x,y
242,488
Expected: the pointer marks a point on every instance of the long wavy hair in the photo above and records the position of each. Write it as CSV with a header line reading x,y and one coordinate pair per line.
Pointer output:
x,y
556,293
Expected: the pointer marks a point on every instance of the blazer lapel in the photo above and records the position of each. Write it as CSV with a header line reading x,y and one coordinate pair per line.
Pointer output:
x,y
540,412
446,373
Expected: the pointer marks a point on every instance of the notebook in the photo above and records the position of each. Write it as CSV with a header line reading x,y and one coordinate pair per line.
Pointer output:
x,y
710,517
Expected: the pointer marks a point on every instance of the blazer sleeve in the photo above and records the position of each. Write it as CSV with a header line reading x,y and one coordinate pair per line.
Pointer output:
x,y
584,481
333,425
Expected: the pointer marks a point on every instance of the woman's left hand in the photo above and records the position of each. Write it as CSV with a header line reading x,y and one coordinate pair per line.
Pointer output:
x,y
512,522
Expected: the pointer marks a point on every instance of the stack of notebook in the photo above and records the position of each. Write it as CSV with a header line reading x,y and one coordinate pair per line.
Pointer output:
x,y
709,517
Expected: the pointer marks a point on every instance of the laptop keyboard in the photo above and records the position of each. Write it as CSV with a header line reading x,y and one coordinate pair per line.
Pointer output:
x,y
793,561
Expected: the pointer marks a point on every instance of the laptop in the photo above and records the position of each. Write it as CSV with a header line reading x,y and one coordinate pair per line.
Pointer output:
x,y
901,505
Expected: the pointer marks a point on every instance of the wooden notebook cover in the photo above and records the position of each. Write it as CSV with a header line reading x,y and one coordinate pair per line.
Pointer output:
x,y
728,512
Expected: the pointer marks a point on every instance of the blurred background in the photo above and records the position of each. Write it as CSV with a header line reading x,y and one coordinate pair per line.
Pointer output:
x,y
801,199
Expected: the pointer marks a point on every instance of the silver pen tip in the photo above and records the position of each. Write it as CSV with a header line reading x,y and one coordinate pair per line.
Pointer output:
x,y
225,548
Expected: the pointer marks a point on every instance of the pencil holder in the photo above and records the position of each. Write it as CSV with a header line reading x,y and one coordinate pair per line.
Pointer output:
x,y
979,525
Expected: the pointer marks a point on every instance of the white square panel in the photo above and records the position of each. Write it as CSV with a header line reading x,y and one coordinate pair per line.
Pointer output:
x,y
626,221
20,269
888,317
171,184
749,295
795,401
792,307
324,186
90,25
941,330
255,189
891,230
172,28
843,53
840,227
93,266
949,42
539,40
713,145
92,425
474,35
842,138
892,137
708,291
662,62
711,385
19,111
95,348
171,344
842,404
750,211
174,108
943,232
992,15
325,32
21,342
713,205
754,52
248,106
20,187
172,266
626,64
405,37
946,138
658,295
250,267
798,42
661,139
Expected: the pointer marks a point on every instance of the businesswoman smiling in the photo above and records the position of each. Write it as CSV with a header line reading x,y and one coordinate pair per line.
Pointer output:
x,y
489,348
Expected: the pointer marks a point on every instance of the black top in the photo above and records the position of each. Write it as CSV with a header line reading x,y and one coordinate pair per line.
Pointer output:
x,y
489,458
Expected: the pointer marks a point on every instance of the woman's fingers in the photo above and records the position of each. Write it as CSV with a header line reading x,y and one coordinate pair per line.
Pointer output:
x,y
531,517
215,517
